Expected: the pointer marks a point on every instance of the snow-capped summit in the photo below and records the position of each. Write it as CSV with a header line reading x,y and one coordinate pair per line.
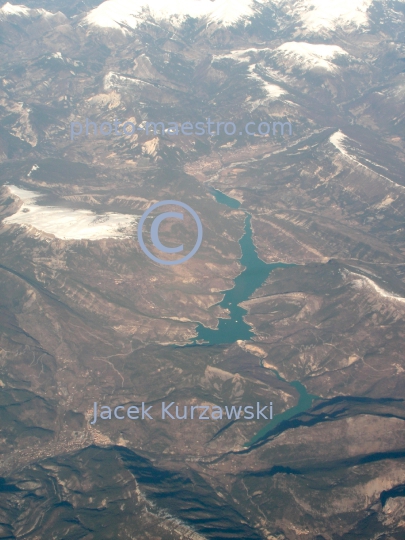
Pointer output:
x,y
323,16
123,14
308,56
10,10
13,9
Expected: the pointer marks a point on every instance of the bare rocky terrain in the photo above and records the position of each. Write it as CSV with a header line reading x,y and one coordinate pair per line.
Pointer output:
x,y
86,319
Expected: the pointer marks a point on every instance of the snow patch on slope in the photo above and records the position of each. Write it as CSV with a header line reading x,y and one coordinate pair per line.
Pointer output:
x,y
22,126
116,81
273,91
341,142
67,223
361,282
123,14
242,55
338,139
309,56
321,16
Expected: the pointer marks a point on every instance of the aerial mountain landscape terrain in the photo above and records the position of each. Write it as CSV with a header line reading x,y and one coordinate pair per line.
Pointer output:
x,y
294,303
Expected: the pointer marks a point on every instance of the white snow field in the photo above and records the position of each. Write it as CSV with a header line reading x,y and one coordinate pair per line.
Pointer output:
x,y
69,224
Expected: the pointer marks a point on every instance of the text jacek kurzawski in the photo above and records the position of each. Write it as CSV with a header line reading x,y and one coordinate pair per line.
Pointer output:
x,y
172,411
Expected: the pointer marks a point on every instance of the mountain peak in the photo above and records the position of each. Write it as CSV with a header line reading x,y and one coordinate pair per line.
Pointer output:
x,y
318,16
14,9
18,10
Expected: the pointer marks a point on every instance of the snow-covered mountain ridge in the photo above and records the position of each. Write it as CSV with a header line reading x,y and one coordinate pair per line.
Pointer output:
x,y
14,10
304,17
309,16
121,14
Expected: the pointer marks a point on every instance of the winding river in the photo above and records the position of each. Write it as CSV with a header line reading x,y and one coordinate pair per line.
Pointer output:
x,y
230,330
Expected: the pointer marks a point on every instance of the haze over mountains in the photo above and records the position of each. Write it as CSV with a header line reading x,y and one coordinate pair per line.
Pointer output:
x,y
86,317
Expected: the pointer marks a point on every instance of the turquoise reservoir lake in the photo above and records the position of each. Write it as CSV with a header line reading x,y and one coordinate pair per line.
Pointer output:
x,y
253,276
230,330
